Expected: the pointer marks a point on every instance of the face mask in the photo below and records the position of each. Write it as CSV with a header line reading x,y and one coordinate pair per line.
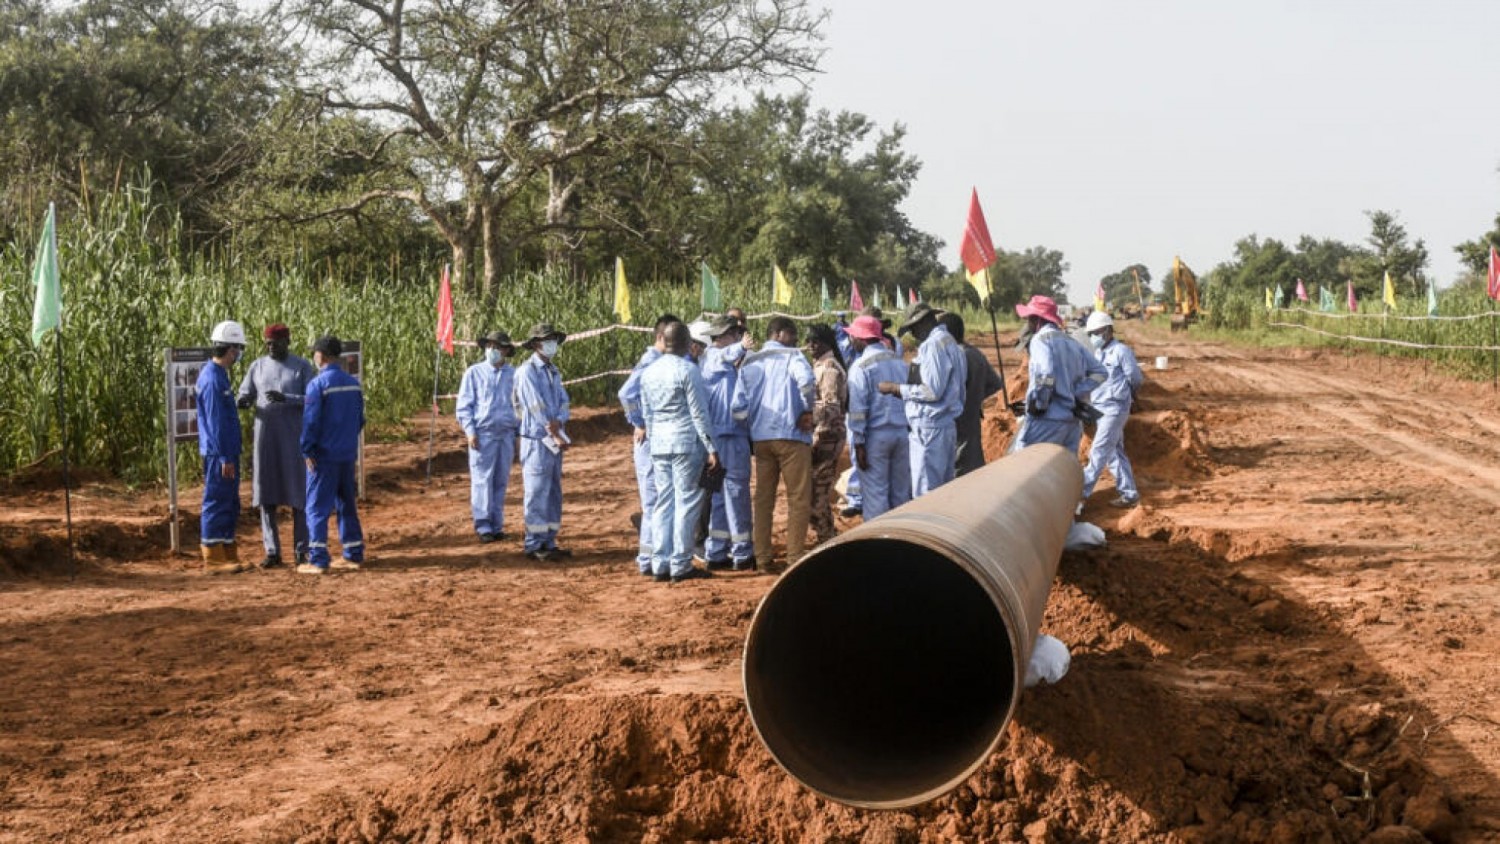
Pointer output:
x,y
494,356
1097,340
549,349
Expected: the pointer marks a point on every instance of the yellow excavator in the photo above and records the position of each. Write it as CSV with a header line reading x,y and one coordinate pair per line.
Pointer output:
x,y
1185,287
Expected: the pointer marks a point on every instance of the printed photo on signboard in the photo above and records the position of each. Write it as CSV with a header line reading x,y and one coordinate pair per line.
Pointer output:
x,y
185,398
187,424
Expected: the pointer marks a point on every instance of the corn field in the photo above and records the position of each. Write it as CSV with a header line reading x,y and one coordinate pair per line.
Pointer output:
x,y
129,292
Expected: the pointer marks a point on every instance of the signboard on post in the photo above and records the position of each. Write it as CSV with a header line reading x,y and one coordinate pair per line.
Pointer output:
x,y
353,360
181,368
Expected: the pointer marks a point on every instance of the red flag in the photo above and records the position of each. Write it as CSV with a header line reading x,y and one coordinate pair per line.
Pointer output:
x,y
1353,303
976,249
445,314
1494,285
911,294
856,303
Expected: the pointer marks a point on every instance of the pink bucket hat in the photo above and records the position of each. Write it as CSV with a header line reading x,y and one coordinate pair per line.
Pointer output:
x,y
1043,307
865,328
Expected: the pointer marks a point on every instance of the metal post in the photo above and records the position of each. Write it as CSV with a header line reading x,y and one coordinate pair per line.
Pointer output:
x,y
172,451
62,418
437,360
999,361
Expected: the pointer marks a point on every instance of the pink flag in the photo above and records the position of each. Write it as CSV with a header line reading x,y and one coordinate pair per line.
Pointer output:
x,y
856,303
1301,291
1353,303
912,295
1494,286
445,314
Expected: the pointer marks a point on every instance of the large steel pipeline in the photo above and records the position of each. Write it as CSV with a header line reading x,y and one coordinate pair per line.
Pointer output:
x,y
882,668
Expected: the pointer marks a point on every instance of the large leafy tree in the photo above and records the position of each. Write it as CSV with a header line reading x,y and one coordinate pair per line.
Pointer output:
x,y
1119,287
95,92
1475,254
485,106
1390,252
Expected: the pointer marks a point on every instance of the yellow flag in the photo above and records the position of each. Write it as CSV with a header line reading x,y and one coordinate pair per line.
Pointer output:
x,y
1390,290
981,282
1269,305
622,292
781,290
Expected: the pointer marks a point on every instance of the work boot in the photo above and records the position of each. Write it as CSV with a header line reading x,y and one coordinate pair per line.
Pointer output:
x,y
271,562
217,561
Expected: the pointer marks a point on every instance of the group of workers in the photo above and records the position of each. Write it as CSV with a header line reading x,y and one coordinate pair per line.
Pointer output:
x,y
706,402
308,419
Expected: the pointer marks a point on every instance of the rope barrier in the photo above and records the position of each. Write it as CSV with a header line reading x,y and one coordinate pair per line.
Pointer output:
x,y
1383,340
1334,315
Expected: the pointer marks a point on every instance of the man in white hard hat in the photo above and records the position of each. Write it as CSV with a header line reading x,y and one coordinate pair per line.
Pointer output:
x,y
1112,399
219,442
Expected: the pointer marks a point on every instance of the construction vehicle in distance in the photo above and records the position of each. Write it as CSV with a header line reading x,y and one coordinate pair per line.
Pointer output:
x,y
1185,288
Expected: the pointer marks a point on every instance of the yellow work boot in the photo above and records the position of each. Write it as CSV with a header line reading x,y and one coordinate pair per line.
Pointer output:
x,y
220,559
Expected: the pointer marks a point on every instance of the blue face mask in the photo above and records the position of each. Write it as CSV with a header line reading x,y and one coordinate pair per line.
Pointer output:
x,y
549,349
494,356
1097,340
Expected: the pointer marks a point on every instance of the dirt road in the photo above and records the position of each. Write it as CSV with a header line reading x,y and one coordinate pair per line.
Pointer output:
x,y
1293,640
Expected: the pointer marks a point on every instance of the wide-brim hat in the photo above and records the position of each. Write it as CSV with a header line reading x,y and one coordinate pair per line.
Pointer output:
x,y
723,325
874,311
915,314
498,339
866,328
544,331
1040,306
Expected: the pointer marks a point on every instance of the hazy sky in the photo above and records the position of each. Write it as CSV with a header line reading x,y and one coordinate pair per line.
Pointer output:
x,y
1120,131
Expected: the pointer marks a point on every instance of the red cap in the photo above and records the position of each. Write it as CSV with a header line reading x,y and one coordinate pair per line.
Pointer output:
x,y
865,328
277,332
1043,307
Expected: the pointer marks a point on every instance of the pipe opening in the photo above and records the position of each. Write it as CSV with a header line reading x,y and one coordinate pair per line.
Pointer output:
x,y
878,671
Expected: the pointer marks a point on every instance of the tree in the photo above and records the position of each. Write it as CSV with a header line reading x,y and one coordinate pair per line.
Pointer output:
x,y
1406,264
1119,287
1475,254
483,104
1017,276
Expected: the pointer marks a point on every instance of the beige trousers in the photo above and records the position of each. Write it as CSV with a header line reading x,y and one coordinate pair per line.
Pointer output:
x,y
775,460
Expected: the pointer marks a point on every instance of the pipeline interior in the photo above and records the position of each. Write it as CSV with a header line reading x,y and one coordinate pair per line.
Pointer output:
x,y
879,670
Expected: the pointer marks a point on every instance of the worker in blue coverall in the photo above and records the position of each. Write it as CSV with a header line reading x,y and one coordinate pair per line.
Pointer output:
x,y
675,407
333,415
877,422
542,406
729,543
854,497
934,403
486,412
630,400
1062,374
1112,399
219,441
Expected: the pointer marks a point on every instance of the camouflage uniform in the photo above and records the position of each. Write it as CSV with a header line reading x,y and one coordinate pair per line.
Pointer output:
x,y
828,440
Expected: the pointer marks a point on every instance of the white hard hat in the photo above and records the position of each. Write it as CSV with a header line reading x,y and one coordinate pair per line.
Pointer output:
x,y
698,330
228,333
1098,320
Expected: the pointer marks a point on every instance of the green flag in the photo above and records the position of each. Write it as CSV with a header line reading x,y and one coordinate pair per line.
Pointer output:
x,y
1431,299
1280,295
47,314
876,298
711,299
1325,298
827,303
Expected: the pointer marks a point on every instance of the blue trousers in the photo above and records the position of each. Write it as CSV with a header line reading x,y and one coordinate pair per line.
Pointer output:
x,y
934,452
221,503
729,535
541,476
331,488
886,484
1108,452
270,531
489,475
678,497
645,484
1067,433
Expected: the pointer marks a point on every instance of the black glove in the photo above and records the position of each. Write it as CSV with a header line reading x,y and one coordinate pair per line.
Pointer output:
x,y
244,402
275,396
1017,408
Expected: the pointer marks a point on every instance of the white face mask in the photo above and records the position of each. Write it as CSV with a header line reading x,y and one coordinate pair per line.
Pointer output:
x,y
1097,340
494,356
549,349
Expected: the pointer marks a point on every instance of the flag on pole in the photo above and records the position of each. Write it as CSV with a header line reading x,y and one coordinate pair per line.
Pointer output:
x,y
1301,291
622,292
445,313
781,289
1269,305
1099,303
712,300
1353,303
976,249
875,295
911,295
1280,296
856,302
1325,298
1390,291
825,304
46,314
1431,299
1494,286
900,297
